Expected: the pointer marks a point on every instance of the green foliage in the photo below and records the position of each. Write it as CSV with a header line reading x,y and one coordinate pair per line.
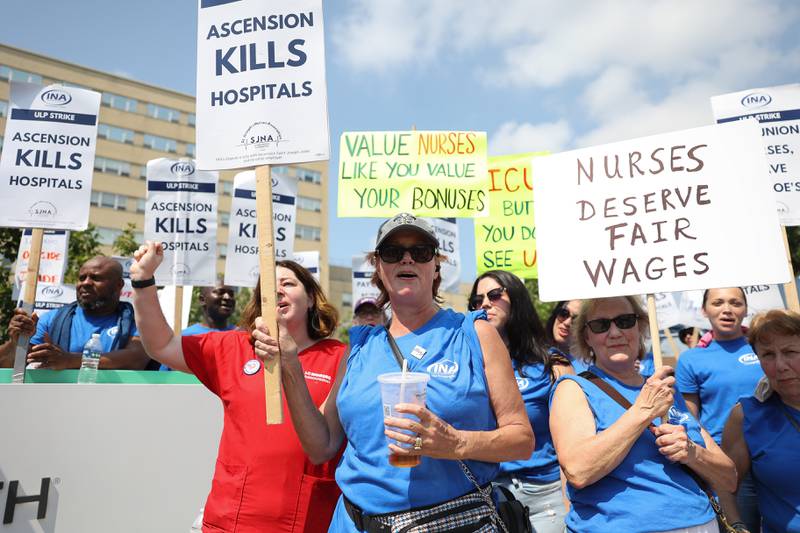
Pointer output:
x,y
9,246
793,232
543,309
195,312
83,245
125,244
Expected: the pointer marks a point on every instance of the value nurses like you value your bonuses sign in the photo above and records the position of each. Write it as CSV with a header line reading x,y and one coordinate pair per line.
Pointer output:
x,y
426,173
48,157
241,263
181,213
777,110
680,211
261,95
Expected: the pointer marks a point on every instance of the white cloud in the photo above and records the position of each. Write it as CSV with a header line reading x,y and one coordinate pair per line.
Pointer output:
x,y
514,138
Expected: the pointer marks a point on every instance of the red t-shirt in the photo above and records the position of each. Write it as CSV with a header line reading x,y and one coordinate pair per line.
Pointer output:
x,y
263,482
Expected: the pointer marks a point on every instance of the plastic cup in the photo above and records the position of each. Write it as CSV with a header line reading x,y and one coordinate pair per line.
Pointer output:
x,y
399,387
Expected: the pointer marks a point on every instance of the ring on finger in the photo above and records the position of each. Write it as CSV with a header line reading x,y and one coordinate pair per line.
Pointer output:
x,y
418,443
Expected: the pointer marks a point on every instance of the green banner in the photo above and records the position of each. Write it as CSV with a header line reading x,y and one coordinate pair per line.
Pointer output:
x,y
130,377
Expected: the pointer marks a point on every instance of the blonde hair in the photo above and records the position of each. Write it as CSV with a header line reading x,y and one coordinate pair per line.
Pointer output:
x,y
581,348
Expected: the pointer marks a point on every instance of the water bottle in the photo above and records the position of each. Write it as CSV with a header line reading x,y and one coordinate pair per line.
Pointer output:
x,y
90,360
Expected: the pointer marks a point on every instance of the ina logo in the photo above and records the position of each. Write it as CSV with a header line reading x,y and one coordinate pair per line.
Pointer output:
x,y
677,417
260,136
112,331
253,273
55,97
182,169
755,100
181,269
274,183
43,209
52,291
522,383
444,369
748,359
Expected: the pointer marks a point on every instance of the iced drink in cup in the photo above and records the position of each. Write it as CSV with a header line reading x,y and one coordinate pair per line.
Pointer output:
x,y
399,387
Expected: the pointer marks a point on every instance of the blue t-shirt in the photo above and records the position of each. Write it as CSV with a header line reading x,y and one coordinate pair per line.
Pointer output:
x,y
83,326
195,329
774,446
719,374
535,386
645,492
647,365
457,393
578,364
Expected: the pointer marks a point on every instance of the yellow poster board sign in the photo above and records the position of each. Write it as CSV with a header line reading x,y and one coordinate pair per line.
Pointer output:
x,y
426,173
506,239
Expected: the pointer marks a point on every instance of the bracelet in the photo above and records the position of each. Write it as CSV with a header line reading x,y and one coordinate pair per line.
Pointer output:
x,y
142,283
738,526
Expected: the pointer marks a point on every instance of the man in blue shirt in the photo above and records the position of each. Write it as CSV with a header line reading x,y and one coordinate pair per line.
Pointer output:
x,y
59,336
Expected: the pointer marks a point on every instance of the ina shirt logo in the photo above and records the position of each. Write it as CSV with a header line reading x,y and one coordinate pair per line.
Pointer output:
x,y
522,383
112,331
677,417
444,369
748,359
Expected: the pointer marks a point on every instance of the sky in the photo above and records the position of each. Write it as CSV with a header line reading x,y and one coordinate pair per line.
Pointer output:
x,y
534,74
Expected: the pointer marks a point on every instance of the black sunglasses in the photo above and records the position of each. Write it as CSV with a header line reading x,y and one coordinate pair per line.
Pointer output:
x,y
477,301
420,253
601,325
564,314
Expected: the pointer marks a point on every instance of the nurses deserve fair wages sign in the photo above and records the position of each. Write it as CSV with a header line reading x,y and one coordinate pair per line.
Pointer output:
x,y
181,213
426,173
680,211
261,95
48,157
777,110
241,263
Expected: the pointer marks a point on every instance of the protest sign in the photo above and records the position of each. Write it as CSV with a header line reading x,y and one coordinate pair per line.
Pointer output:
x,y
426,173
506,239
761,298
690,309
666,310
308,260
261,95
241,263
646,215
172,307
50,297
181,213
52,262
127,290
777,110
48,157
362,280
446,231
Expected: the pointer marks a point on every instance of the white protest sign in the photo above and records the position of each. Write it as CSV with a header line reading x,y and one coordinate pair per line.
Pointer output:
x,y
166,299
646,215
48,157
50,297
690,307
447,232
309,261
261,95
53,261
777,109
241,263
762,298
181,213
127,290
362,280
667,310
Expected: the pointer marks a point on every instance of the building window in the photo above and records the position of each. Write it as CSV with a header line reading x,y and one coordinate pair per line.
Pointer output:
x,y
227,187
309,176
112,166
143,172
107,236
191,119
141,203
161,144
113,133
224,219
347,299
163,113
123,103
280,170
309,204
190,151
308,233
109,200
223,250
13,74
3,108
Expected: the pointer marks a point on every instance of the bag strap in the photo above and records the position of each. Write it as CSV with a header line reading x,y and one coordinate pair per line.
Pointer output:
x,y
789,416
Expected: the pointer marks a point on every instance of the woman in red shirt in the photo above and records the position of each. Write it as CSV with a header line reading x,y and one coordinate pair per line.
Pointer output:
x,y
263,481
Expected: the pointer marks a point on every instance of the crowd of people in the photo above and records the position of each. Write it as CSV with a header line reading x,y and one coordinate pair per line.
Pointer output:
x,y
566,417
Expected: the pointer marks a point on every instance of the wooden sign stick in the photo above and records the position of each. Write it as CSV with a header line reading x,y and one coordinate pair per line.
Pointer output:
x,y
658,360
676,351
28,301
178,315
790,289
266,263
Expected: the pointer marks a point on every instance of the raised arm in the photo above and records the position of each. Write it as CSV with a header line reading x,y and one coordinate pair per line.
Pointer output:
x,y
156,336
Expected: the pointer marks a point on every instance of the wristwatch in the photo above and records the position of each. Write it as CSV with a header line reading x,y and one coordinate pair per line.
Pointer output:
x,y
142,283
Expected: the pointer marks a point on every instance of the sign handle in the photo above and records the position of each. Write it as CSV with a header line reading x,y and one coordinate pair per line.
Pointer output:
x,y
266,263
790,289
177,327
695,336
28,301
658,361
676,351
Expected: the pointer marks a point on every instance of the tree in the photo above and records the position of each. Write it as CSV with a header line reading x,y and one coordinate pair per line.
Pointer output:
x,y
9,246
83,245
125,244
793,232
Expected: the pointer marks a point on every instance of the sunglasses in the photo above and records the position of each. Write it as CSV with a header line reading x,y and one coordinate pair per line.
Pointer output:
x,y
420,253
477,301
601,325
564,314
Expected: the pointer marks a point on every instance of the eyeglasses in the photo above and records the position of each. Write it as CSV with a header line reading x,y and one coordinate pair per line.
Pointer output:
x,y
601,325
477,301
420,253
564,314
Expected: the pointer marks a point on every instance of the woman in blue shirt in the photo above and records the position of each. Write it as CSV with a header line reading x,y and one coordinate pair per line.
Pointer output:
x,y
762,434
473,412
558,331
535,481
623,464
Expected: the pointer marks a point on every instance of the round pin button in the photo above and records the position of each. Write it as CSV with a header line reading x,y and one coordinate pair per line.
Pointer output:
x,y
252,366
